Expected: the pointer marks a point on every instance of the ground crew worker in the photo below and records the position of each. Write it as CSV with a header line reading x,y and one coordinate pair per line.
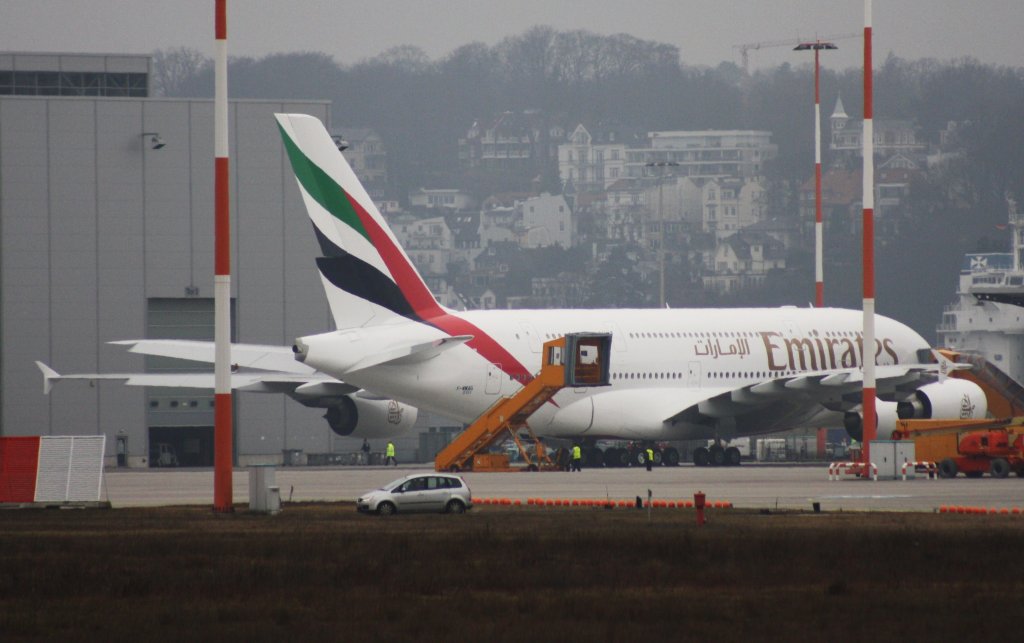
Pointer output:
x,y
577,456
390,454
366,451
650,457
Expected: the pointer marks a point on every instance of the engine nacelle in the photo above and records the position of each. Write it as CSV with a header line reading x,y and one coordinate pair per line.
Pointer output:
x,y
351,416
885,420
949,400
953,399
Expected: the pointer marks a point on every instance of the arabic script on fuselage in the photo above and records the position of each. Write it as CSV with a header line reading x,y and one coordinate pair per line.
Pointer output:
x,y
799,353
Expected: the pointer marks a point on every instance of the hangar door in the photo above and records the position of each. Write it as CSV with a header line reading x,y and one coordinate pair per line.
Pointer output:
x,y
180,420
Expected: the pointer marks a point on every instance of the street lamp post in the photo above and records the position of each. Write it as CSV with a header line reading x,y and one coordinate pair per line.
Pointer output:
x,y
819,279
819,260
661,227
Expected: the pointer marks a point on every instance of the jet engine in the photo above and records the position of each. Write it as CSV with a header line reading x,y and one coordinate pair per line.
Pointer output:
x,y
885,414
351,416
952,399
949,400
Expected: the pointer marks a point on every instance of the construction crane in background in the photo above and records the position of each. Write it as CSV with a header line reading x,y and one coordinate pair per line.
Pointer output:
x,y
789,42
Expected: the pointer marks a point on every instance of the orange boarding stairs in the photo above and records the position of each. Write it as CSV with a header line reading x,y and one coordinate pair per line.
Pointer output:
x,y
576,360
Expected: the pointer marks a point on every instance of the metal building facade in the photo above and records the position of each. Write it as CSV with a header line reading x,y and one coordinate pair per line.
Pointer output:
x,y
96,222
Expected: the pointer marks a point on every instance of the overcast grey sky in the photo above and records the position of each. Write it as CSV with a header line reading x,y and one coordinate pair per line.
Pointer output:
x,y
704,30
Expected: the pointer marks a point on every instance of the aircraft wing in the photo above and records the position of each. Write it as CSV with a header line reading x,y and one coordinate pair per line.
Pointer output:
x,y
256,356
794,400
314,384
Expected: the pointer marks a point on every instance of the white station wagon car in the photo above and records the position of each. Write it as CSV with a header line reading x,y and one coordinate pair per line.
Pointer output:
x,y
440,492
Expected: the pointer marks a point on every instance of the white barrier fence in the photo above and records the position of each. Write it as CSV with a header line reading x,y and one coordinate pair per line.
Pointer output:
x,y
70,468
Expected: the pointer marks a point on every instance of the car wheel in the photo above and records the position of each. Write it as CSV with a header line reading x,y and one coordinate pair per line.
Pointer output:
x,y
386,509
454,507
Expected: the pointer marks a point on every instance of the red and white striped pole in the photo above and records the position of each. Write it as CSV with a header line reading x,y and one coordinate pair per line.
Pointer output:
x,y
868,141
222,421
819,262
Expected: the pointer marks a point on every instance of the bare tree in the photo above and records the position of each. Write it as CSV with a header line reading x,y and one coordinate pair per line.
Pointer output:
x,y
174,68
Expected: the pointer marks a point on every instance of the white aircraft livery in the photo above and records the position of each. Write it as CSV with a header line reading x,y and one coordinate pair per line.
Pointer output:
x,y
675,374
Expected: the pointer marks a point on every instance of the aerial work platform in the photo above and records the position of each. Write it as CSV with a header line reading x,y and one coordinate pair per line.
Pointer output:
x,y
576,360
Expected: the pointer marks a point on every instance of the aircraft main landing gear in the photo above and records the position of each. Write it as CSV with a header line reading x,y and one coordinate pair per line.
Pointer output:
x,y
716,456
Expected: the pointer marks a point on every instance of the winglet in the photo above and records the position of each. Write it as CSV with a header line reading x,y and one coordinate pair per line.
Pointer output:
x,y
946,365
48,376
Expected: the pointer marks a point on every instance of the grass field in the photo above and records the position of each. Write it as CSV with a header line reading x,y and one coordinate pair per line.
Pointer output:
x,y
323,572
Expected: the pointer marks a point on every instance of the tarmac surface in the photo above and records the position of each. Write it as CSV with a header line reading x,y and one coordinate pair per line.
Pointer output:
x,y
750,486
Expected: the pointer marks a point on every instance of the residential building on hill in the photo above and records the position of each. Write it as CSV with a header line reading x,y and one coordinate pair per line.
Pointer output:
x,y
731,205
705,153
510,141
742,261
592,160
365,153
448,198
892,136
546,221
592,163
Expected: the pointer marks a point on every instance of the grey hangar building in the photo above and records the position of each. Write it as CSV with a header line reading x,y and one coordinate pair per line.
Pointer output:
x,y
106,233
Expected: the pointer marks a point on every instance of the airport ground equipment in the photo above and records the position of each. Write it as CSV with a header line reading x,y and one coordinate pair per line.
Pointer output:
x,y
974,447
971,447
576,360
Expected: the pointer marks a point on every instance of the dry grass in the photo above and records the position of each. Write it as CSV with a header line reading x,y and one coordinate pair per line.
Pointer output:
x,y
322,572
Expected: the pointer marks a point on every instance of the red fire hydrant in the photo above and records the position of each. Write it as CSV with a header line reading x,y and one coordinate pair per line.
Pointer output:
x,y
698,503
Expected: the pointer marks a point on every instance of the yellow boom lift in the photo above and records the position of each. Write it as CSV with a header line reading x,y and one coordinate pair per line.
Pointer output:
x,y
576,360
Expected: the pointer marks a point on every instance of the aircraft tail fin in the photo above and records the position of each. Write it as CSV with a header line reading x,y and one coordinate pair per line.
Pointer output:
x,y
368,278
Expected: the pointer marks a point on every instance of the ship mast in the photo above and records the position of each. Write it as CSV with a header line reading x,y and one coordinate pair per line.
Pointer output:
x,y
1017,228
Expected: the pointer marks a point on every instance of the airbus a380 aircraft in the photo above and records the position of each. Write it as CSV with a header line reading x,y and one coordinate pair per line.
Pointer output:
x,y
675,374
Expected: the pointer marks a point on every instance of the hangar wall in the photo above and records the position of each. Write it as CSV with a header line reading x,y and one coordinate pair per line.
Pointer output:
x,y
95,222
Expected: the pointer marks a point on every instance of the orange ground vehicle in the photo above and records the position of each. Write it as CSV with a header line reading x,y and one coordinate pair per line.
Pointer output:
x,y
974,447
982,452
970,447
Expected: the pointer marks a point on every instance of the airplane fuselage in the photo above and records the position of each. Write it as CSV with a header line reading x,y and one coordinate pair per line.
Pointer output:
x,y
662,360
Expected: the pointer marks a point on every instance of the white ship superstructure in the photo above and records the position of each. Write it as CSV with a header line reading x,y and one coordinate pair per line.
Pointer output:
x,y
987,317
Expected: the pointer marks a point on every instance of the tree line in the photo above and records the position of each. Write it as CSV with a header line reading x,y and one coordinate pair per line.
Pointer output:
x,y
421,107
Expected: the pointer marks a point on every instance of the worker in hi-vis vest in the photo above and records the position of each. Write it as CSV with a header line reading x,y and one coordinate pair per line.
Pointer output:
x,y
650,458
577,456
390,455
